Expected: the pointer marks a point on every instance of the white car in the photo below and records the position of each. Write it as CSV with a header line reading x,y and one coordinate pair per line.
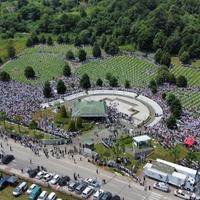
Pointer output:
x,y
40,174
98,194
92,182
54,180
51,196
43,196
47,177
87,192
31,188
184,194
161,186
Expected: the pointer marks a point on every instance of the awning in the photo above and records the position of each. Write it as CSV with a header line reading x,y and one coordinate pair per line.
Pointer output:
x,y
189,141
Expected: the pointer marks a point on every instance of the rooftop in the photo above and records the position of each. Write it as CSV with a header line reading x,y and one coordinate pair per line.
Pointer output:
x,y
142,138
89,109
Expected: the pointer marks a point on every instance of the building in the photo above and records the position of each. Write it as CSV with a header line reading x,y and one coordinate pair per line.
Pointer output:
x,y
142,146
89,109
171,173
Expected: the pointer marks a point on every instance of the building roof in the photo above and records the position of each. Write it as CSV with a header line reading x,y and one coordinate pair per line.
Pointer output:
x,y
179,168
142,138
89,109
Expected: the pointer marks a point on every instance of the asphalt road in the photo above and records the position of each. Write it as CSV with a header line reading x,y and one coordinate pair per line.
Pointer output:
x,y
114,183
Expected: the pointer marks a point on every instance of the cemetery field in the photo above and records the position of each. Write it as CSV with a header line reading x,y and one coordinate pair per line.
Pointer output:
x,y
57,49
189,100
46,67
192,74
138,72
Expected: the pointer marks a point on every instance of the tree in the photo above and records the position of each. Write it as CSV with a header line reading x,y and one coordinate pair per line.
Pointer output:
x,y
170,99
47,90
111,48
82,55
43,39
60,39
1,61
79,123
63,112
11,51
29,72
165,59
96,50
185,57
18,119
70,55
171,122
49,40
181,81
158,55
4,76
175,152
29,42
33,124
99,82
108,76
3,117
127,84
153,86
172,78
72,126
113,82
61,88
85,82
67,70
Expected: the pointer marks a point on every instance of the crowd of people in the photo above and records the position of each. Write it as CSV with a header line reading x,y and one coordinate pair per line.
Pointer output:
x,y
24,99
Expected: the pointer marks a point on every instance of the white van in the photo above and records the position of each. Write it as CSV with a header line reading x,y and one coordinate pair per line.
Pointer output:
x,y
98,194
22,187
52,196
87,192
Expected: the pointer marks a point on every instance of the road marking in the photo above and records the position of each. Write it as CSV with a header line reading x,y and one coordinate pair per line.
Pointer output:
x,y
154,196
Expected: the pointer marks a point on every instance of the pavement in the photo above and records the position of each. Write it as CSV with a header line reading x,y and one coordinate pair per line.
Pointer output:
x,y
115,183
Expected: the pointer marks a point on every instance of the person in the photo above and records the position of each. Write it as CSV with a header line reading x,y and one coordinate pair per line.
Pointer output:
x,y
97,171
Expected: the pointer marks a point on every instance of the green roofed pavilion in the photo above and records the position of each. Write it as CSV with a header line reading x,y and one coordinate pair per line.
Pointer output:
x,y
89,109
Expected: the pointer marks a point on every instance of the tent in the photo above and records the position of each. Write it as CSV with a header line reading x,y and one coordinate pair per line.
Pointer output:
x,y
189,141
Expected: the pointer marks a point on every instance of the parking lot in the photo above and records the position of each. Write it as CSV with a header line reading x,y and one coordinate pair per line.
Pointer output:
x,y
118,185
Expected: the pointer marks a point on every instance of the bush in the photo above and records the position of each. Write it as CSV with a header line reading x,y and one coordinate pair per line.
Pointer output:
x,y
85,81
82,55
171,122
70,55
29,72
61,88
99,82
63,112
181,81
66,70
47,90
4,76
72,126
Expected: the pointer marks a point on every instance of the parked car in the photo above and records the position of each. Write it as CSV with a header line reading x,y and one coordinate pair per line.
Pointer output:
x,y
20,189
31,188
40,174
184,194
51,196
43,196
4,182
54,180
106,196
7,159
72,185
35,193
98,194
161,186
92,182
87,192
79,189
116,197
64,181
47,177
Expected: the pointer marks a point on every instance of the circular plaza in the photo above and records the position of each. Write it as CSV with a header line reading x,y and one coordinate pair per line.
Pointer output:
x,y
136,108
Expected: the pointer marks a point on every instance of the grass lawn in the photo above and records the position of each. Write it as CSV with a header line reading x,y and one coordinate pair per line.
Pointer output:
x,y
46,66
137,71
177,62
110,154
160,152
26,131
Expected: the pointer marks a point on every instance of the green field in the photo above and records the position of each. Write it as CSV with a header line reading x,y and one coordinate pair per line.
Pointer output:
x,y
189,100
137,71
192,74
57,49
45,65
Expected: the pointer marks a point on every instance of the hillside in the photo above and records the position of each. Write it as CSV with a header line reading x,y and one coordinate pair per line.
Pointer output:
x,y
148,25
